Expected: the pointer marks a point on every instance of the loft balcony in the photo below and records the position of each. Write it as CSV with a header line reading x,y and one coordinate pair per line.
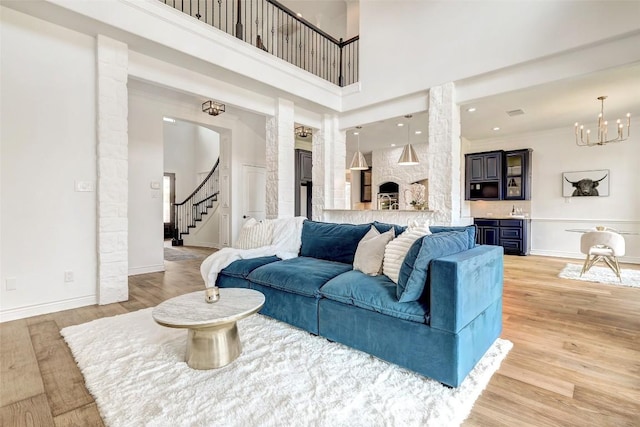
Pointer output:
x,y
272,27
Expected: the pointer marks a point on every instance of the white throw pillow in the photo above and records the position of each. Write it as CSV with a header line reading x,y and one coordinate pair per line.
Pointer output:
x,y
370,251
397,249
255,234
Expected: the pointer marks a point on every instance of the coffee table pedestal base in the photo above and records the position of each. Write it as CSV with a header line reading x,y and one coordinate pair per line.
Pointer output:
x,y
214,347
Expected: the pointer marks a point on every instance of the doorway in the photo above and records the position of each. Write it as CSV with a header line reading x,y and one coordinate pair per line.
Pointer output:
x,y
168,200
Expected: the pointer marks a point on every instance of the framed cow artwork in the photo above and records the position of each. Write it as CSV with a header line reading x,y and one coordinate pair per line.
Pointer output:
x,y
586,183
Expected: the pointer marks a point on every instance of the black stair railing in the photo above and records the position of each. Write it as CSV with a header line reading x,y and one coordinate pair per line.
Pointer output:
x,y
278,30
189,212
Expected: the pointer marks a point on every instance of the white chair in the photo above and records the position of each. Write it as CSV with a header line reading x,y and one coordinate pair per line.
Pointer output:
x,y
602,245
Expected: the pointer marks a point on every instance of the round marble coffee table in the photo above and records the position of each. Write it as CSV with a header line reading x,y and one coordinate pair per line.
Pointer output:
x,y
213,340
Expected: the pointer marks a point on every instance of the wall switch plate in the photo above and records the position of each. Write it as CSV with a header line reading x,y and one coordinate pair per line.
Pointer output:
x,y
11,283
85,186
155,185
68,276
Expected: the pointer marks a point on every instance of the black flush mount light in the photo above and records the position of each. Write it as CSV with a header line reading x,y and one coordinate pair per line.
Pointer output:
x,y
303,132
213,108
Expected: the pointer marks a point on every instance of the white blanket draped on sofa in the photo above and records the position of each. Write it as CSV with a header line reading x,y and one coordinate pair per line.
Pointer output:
x,y
286,242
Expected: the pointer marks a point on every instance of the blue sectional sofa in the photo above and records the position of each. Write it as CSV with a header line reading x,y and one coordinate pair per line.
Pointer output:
x,y
442,335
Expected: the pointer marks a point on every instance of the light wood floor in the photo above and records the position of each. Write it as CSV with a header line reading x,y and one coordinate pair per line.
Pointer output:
x,y
575,360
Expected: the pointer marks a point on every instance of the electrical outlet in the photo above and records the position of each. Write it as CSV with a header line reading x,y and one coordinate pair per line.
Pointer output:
x,y
11,284
68,276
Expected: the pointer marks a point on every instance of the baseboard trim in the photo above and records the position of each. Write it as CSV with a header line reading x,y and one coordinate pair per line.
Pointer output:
x,y
575,255
46,308
146,269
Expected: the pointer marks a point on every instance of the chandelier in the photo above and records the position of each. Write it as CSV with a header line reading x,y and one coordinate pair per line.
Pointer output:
x,y
302,131
213,108
603,129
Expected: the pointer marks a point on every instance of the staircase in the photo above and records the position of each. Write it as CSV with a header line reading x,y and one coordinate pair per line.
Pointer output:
x,y
190,212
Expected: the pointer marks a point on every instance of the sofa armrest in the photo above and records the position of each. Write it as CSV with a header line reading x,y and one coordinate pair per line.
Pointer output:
x,y
463,285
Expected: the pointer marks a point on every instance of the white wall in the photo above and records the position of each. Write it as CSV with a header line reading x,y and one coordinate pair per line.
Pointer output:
x,y
180,156
555,152
207,149
47,145
328,15
189,150
433,42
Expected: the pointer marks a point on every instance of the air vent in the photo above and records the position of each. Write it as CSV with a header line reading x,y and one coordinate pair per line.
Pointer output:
x,y
517,112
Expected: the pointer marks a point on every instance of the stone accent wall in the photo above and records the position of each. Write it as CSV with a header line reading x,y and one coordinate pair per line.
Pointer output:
x,y
385,168
280,159
368,216
318,174
444,154
112,158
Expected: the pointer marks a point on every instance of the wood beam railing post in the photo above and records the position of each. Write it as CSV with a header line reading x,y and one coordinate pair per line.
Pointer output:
x,y
239,21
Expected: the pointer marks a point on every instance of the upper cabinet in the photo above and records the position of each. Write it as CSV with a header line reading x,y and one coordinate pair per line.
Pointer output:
x,y
517,175
498,175
485,166
484,176
365,186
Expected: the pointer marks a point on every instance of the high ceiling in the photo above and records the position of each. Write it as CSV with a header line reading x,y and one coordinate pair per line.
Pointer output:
x,y
550,106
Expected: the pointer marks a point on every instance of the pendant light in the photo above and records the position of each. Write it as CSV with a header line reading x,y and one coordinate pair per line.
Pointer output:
x,y
408,156
358,163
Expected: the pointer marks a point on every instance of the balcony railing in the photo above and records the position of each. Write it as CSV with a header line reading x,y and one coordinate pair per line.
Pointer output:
x,y
272,27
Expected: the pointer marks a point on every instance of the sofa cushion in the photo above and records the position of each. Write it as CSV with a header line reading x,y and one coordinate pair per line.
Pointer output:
x,y
396,251
375,293
255,234
332,242
415,267
301,275
384,227
242,267
370,251
470,229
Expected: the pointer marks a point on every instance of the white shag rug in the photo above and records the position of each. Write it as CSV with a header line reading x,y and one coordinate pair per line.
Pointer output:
x,y
602,275
136,372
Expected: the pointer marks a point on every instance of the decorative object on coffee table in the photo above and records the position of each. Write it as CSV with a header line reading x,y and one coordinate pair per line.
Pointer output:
x,y
213,340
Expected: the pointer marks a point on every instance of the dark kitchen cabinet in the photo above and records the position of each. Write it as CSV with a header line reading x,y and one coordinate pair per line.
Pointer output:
x,y
512,234
302,197
488,231
484,166
483,177
517,175
498,175
365,186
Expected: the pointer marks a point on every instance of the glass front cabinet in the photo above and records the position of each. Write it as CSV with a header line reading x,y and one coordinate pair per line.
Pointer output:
x,y
517,175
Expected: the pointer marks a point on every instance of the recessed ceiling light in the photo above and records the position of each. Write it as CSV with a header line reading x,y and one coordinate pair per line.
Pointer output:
x,y
356,133
418,132
496,128
471,109
400,124
169,120
393,145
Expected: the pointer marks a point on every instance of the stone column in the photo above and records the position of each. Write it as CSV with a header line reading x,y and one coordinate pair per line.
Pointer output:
x,y
112,158
444,154
280,161
329,167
